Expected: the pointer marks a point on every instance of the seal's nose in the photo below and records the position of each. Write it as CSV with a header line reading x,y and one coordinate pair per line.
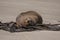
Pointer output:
x,y
30,22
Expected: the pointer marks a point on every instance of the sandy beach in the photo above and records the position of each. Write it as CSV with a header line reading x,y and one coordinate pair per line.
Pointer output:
x,y
48,9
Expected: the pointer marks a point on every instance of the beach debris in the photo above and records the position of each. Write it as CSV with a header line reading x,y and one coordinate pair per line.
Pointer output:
x,y
11,27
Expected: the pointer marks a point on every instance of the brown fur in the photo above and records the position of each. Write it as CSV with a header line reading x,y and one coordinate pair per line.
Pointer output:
x,y
23,18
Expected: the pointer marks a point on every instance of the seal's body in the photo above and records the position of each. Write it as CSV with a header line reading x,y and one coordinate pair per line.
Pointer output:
x,y
28,18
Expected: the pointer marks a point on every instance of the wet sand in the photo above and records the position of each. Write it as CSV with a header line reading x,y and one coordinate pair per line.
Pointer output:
x,y
48,9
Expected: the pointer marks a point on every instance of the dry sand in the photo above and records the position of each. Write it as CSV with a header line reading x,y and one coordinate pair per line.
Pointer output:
x,y
49,10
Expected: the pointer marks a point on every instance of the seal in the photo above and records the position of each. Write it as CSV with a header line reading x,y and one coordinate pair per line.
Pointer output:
x,y
25,19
